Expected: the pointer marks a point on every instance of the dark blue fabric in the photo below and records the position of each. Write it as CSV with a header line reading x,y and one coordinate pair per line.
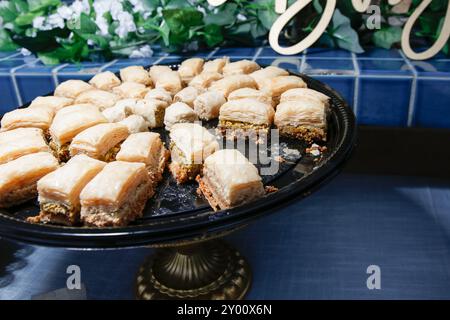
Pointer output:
x,y
318,248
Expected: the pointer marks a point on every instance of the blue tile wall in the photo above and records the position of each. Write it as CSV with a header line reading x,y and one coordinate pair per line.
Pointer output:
x,y
382,86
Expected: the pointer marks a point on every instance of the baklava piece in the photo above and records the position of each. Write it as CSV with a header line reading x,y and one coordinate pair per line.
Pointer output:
x,y
147,148
152,111
116,196
190,145
122,109
232,83
187,96
159,94
304,119
215,65
18,178
156,72
136,74
101,142
27,118
249,93
207,105
229,180
189,68
169,81
135,123
105,81
240,67
20,142
204,80
263,75
100,98
245,117
179,112
300,93
278,85
51,102
72,88
69,122
59,191
131,90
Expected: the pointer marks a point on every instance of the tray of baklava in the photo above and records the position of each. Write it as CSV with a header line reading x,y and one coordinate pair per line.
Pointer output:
x,y
196,141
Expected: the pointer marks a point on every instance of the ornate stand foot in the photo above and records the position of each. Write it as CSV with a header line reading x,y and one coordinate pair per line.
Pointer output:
x,y
207,270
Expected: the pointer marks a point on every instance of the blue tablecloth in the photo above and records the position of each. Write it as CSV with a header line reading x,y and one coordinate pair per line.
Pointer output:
x,y
318,248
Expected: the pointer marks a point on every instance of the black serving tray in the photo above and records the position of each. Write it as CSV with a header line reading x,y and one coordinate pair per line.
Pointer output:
x,y
177,213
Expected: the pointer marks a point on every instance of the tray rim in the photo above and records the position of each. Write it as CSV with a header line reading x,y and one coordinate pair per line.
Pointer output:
x,y
200,222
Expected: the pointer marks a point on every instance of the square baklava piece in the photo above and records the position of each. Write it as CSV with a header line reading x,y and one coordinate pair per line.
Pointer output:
x,y
190,144
117,195
229,180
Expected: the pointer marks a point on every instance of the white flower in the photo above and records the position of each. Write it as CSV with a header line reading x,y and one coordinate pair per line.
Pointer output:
x,y
38,22
126,24
241,17
80,6
25,52
102,25
116,9
65,12
138,5
55,21
143,52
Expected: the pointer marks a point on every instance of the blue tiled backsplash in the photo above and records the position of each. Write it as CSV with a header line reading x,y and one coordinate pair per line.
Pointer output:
x,y
383,87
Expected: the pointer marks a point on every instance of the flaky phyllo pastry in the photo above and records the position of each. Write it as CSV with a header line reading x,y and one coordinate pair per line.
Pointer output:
x,y
305,119
215,65
262,76
72,88
100,98
151,110
52,102
122,109
59,191
21,141
207,105
179,112
136,74
249,93
240,67
131,90
69,122
27,118
204,80
245,117
105,81
18,178
135,123
159,94
190,68
190,144
101,141
187,96
117,195
169,81
276,86
229,179
230,83
300,93
146,148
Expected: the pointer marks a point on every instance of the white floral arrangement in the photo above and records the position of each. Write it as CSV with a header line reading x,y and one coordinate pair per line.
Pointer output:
x,y
59,31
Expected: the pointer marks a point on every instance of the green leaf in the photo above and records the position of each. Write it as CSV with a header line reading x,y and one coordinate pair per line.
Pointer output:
x,y
179,21
213,35
6,44
8,11
38,5
267,17
47,58
84,25
25,19
176,4
226,15
343,33
386,37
